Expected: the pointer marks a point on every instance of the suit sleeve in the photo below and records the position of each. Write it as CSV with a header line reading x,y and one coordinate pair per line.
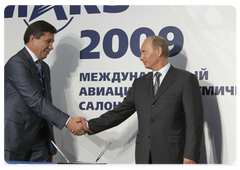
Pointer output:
x,y
192,102
18,73
116,116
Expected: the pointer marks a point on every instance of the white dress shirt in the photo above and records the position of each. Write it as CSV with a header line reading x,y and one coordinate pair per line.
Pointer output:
x,y
163,72
34,57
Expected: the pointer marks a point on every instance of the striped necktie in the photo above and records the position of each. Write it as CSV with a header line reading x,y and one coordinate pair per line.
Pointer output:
x,y
40,74
157,83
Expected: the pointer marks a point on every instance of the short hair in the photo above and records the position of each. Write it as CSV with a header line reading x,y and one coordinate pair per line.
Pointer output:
x,y
37,29
158,41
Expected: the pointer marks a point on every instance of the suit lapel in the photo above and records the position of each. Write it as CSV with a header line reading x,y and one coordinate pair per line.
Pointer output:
x,y
168,80
32,68
149,84
46,81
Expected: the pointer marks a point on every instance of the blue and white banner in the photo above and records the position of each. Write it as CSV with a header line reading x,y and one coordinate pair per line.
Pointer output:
x,y
96,58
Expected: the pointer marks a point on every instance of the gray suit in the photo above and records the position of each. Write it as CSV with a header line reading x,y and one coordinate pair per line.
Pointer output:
x,y
28,115
169,125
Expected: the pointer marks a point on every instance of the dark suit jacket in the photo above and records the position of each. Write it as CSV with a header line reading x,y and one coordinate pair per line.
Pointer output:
x,y
169,125
25,108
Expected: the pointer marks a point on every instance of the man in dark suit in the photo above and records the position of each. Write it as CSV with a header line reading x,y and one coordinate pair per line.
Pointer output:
x,y
169,110
29,115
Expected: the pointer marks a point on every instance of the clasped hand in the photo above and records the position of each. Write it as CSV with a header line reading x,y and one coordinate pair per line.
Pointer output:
x,y
78,126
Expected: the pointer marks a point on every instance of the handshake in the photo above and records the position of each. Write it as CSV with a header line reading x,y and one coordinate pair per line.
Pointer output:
x,y
78,126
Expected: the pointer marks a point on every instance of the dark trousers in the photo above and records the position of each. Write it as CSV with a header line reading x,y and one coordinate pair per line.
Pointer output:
x,y
150,158
38,153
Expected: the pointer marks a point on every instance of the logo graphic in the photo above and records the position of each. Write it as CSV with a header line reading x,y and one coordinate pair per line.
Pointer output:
x,y
64,14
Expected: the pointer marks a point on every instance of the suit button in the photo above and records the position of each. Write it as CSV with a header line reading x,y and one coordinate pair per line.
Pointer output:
x,y
152,120
153,106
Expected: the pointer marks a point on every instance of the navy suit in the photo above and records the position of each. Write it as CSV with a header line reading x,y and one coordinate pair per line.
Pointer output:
x,y
28,114
169,125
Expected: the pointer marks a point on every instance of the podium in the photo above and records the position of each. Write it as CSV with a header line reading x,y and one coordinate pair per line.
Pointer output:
x,y
48,163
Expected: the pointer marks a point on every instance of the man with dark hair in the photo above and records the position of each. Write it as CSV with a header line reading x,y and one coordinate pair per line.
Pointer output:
x,y
168,103
37,29
29,115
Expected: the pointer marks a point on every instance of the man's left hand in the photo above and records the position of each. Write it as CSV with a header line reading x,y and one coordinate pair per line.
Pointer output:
x,y
188,161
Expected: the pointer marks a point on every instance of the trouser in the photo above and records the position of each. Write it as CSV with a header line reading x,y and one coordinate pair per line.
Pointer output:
x,y
150,158
38,153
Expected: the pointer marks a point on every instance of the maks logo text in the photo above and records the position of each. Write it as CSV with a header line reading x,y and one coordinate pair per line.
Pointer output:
x,y
64,14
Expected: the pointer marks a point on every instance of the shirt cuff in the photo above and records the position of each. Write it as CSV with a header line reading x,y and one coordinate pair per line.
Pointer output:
x,y
67,121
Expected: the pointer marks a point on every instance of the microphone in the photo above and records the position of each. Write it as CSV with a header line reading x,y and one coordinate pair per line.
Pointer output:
x,y
104,150
100,155
60,152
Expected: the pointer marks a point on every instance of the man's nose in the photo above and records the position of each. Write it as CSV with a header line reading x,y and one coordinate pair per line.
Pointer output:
x,y
50,46
141,57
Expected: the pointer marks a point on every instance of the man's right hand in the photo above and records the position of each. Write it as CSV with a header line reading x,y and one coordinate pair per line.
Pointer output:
x,y
78,126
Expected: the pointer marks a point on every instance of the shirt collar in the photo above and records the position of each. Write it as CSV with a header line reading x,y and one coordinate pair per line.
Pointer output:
x,y
34,57
163,70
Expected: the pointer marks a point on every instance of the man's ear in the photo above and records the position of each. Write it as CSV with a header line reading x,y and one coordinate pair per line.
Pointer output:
x,y
31,39
159,51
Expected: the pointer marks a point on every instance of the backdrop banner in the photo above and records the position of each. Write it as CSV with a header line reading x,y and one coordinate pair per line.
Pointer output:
x,y
96,57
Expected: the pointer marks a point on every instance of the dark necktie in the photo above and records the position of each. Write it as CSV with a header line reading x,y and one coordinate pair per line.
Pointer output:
x,y
40,74
157,83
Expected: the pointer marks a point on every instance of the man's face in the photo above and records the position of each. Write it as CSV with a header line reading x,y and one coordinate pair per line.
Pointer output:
x,y
149,56
43,45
